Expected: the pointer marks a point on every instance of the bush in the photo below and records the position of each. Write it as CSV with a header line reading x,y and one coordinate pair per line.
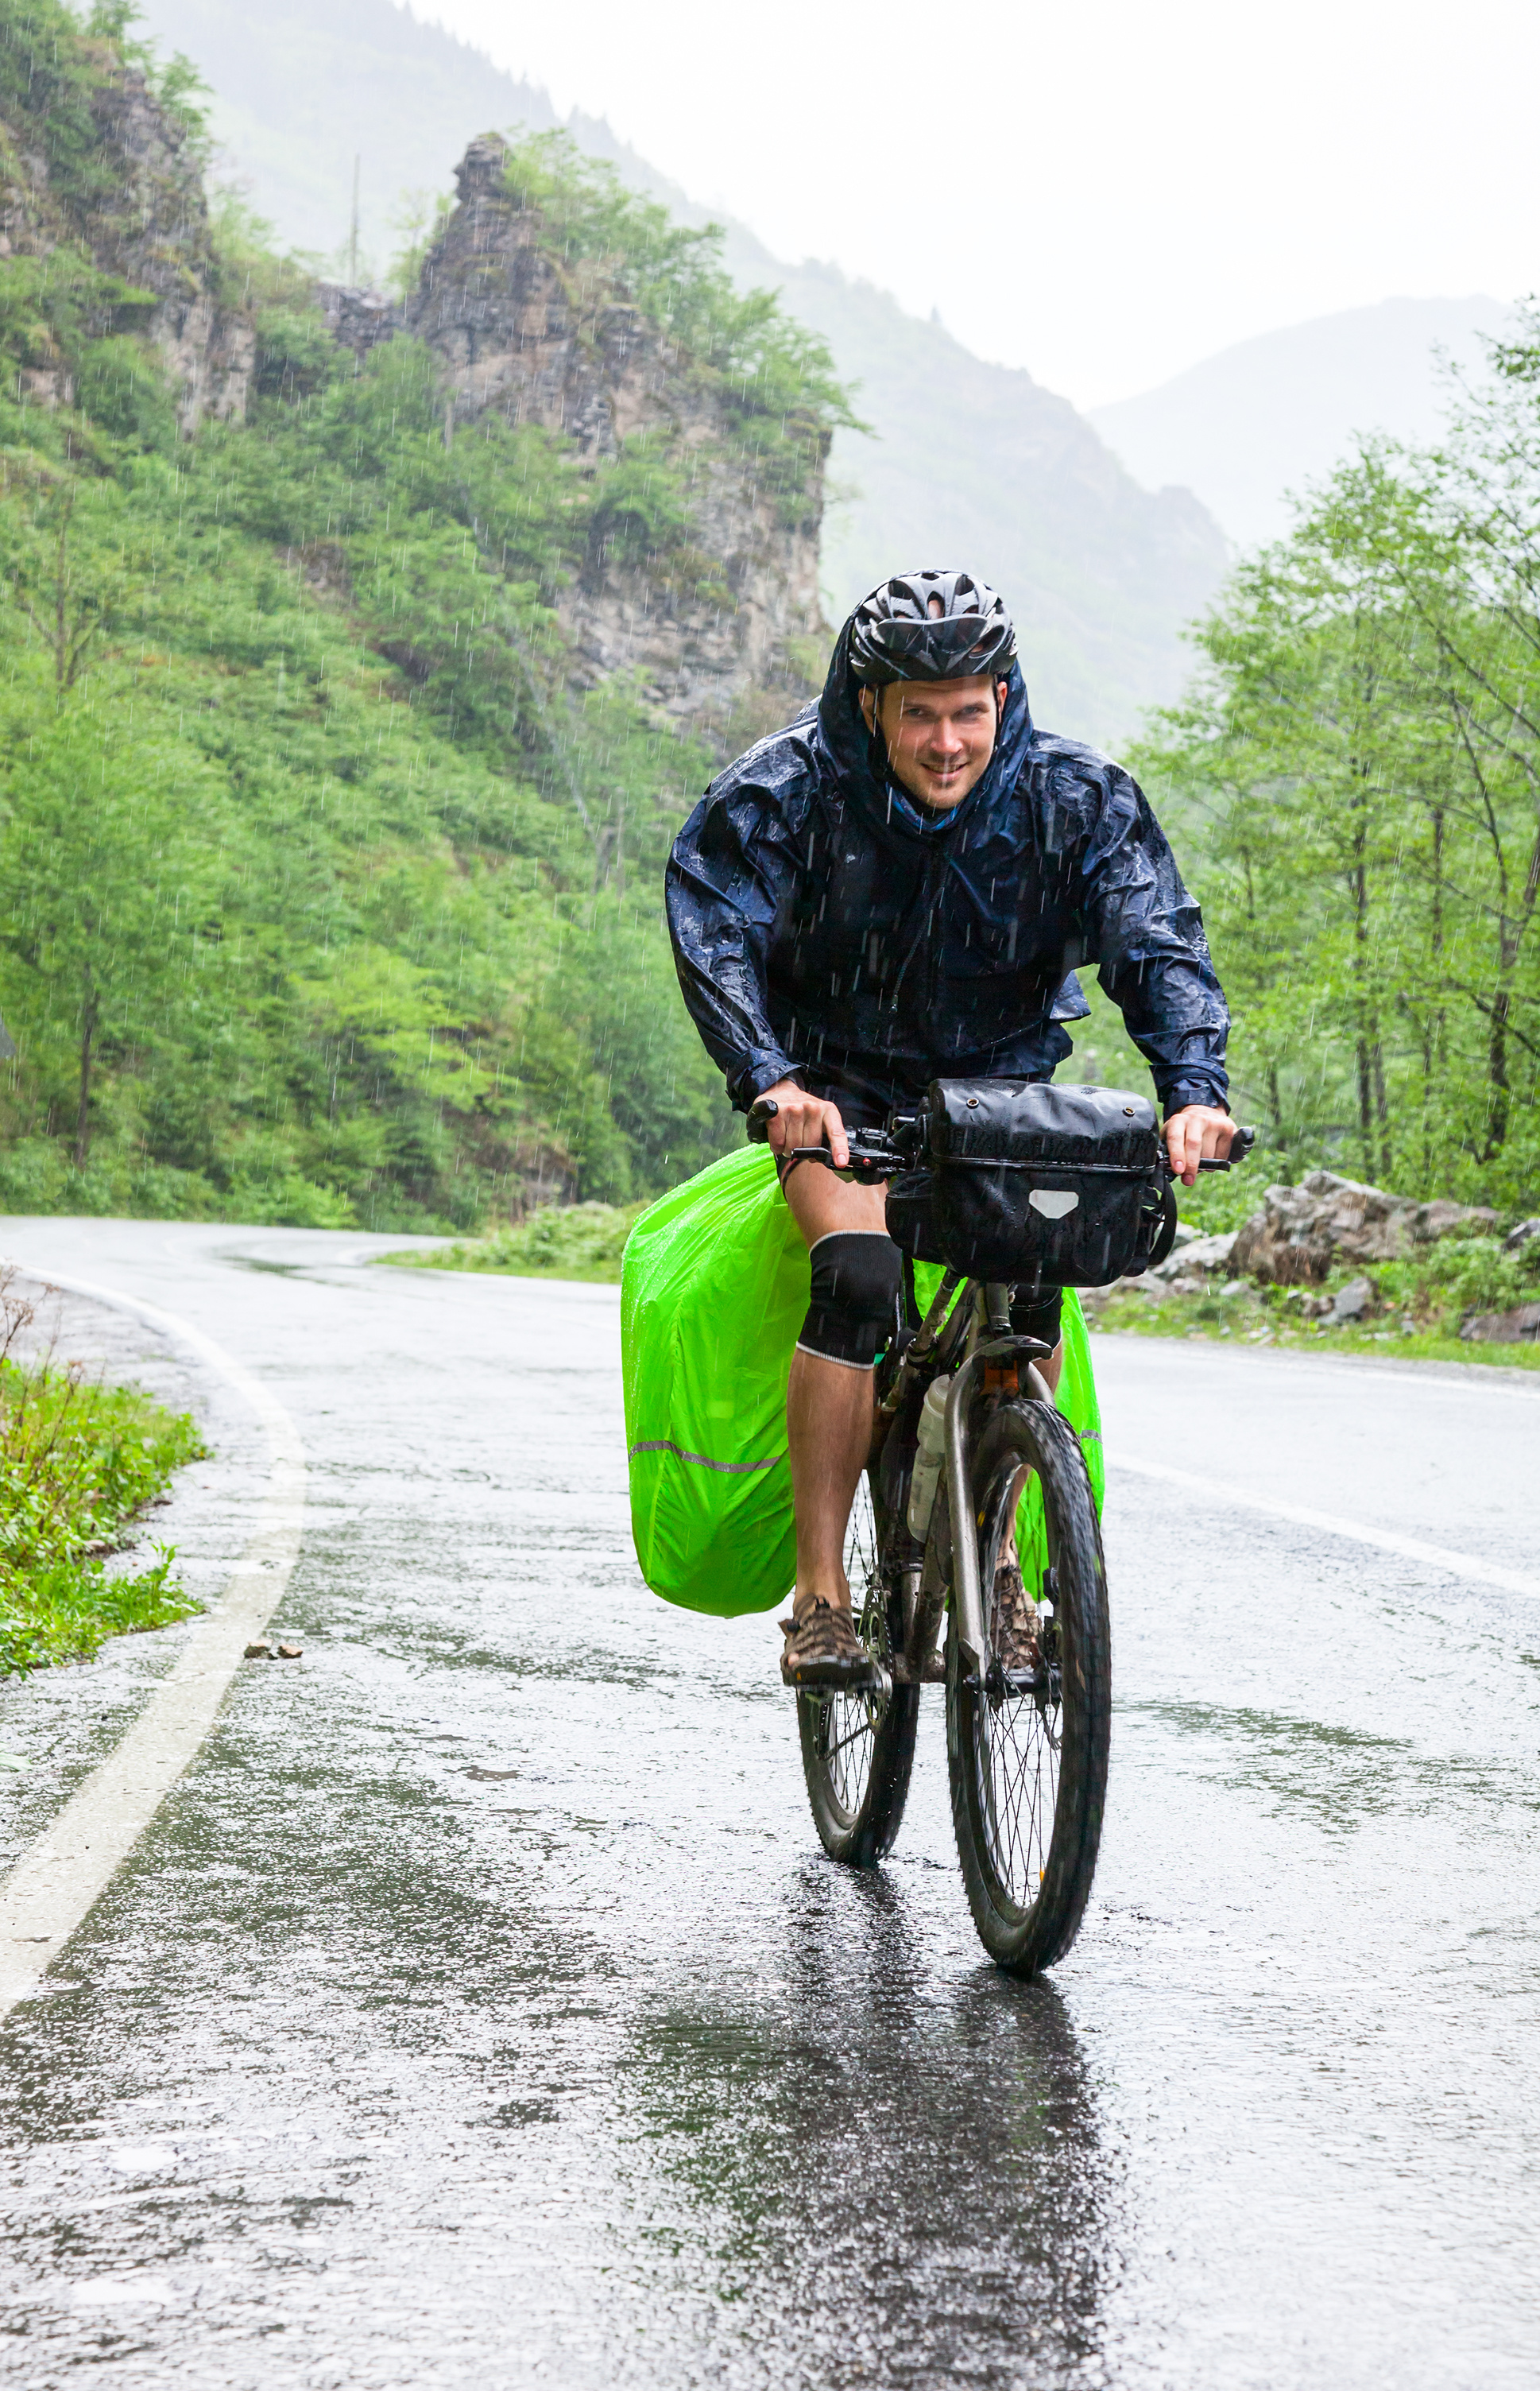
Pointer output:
x,y
1461,1275
78,1462
572,1241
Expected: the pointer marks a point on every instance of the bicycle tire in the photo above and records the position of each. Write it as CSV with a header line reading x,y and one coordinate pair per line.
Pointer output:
x,y
858,1750
1029,1770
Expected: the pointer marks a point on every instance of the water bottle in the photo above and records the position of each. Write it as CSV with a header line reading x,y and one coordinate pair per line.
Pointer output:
x,y
930,1459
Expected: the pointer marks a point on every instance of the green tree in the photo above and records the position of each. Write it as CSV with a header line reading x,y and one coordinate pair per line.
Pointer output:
x,y
106,892
1360,761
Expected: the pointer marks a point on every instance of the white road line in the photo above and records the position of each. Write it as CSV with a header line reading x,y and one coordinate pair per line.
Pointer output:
x,y
1412,1548
58,1881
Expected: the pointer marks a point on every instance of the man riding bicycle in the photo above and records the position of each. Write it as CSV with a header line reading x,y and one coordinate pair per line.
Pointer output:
x,y
897,888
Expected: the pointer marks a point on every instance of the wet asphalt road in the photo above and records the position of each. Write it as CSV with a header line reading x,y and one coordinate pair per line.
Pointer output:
x,y
480,2010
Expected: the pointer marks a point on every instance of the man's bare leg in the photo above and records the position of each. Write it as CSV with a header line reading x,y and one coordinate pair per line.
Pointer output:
x,y
1051,1369
829,1404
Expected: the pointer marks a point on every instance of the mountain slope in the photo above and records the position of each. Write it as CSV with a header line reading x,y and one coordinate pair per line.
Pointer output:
x,y
1269,415
978,465
971,464
341,744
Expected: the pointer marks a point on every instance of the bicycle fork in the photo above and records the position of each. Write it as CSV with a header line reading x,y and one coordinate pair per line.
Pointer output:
x,y
922,1582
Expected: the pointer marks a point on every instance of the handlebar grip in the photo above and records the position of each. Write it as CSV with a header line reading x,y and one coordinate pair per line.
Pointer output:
x,y
761,1112
1240,1146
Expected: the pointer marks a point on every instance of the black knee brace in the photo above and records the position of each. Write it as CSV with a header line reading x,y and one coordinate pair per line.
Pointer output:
x,y
856,1277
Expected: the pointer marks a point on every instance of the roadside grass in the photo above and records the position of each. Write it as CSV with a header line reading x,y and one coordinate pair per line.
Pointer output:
x,y
572,1241
1236,1312
78,1462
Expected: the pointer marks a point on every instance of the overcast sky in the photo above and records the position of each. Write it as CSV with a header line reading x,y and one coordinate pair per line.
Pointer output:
x,y
1101,193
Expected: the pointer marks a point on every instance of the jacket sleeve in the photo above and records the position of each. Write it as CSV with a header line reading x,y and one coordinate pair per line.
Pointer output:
x,y
730,874
1147,937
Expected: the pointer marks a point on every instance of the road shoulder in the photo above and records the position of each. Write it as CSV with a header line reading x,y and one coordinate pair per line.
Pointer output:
x,y
63,1722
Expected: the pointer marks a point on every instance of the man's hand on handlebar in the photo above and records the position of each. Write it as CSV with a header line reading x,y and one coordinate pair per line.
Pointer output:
x,y
1197,1133
801,1120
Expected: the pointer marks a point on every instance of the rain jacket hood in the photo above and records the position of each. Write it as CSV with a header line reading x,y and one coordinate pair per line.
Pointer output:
x,y
857,756
827,927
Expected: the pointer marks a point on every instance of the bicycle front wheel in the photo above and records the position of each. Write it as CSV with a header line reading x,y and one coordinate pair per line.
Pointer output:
x,y
858,1750
1028,1761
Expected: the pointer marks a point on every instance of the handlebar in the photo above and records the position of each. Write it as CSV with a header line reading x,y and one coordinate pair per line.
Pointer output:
x,y
875,1154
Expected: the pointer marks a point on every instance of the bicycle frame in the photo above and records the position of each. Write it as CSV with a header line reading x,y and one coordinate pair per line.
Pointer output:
x,y
981,1322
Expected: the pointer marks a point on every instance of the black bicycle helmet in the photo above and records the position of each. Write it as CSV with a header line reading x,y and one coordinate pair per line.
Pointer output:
x,y
929,627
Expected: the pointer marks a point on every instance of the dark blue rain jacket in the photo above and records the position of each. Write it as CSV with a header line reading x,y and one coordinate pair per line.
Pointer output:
x,y
825,926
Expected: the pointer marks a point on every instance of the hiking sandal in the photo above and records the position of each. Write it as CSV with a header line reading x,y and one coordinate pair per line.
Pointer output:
x,y
823,1651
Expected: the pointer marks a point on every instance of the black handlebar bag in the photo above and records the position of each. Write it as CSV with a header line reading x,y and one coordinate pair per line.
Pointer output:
x,y
1031,1183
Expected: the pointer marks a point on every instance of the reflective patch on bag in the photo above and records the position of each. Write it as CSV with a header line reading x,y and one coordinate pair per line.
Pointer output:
x,y
703,1460
1053,1202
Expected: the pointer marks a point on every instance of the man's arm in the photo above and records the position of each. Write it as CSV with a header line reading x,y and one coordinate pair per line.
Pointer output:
x,y
1155,964
730,870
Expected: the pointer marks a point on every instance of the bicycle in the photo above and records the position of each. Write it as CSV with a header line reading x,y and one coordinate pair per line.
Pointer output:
x,y
1027,1751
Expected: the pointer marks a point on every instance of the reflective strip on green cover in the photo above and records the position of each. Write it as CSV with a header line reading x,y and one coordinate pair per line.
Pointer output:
x,y
713,1289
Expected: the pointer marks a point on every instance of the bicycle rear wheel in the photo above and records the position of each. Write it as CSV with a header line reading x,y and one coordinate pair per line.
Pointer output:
x,y
1028,1765
859,1749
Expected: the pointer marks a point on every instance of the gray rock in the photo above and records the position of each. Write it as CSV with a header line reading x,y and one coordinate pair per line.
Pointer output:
x,y
1202,1255
1520,1237
149,230
1351,1303
1521,1327
1443,1219
1302,1232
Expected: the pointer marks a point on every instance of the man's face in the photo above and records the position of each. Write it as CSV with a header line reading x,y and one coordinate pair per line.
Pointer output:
x,y
940,733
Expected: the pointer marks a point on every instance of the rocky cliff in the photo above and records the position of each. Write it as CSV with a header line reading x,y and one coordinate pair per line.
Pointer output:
x,y
101,185
692,427
542,337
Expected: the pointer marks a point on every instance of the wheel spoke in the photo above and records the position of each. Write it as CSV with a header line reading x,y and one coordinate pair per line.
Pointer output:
x,y
849,1723
1016,1755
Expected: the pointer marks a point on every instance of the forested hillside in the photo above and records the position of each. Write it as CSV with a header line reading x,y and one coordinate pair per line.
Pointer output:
x,y
330,827
1357,775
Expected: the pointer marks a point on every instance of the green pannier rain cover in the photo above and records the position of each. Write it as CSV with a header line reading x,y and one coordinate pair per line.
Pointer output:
x,y
714,1289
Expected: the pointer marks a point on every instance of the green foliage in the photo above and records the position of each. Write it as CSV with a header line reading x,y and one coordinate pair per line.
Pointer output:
x,y
419,221
773,380
121,385
108,895
1446,1282
1417,1315
578,1241
77,1462
1360,769
292,796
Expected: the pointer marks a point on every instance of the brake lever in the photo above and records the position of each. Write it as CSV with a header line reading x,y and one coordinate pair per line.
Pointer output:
x,y
1240,1146
863,1167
